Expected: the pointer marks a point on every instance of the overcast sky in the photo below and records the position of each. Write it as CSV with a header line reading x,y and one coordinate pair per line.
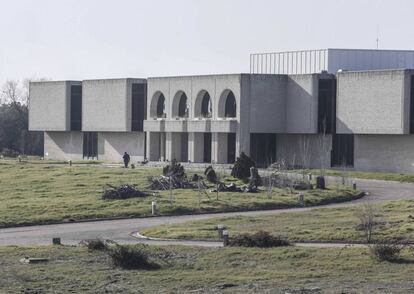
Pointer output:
x,y
83,39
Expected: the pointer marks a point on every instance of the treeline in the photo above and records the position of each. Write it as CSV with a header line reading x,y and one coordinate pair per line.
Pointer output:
x,y
15,139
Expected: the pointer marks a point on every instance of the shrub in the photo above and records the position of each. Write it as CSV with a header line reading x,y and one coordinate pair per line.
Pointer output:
x,y
255,179
241,168
386,251
210,174
260,239
95,244
174,169
128,257
6,152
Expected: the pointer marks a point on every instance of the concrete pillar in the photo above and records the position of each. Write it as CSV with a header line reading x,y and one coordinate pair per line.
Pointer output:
x,y
219,147
168,146
196,147
162,147
153,145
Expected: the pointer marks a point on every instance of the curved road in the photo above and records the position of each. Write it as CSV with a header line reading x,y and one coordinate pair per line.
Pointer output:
x,y
120,230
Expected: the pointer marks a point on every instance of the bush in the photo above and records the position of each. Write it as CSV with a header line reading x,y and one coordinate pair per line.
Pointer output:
x,y
174,170
260,239
95,244
255,179
386,251
6,152
210,174
241,168
128,257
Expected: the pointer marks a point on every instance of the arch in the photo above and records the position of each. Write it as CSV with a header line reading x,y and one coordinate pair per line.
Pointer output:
x,y
204,105
157,108
227,104
180,106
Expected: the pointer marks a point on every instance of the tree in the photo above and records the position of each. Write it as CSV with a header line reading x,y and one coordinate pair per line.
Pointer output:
x,y
241,168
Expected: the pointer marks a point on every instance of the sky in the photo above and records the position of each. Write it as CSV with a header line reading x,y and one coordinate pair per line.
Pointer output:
x,y
87,39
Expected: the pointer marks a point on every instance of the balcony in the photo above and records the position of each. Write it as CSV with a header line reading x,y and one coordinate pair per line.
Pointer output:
x,y
201,125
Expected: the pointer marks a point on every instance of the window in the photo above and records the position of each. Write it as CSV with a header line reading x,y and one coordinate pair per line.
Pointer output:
x,y
161,106
138,107
342,150
90,145
326,106
206,107
182,106
75,108
412,106
230,107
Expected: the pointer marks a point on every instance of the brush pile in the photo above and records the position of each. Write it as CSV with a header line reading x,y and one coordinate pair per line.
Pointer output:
x,y
122,192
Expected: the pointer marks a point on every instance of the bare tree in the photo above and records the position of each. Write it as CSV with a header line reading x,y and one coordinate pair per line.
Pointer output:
x,y
367,214
10,92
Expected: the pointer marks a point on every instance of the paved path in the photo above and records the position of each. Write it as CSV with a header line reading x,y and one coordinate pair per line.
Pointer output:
x,y
120,230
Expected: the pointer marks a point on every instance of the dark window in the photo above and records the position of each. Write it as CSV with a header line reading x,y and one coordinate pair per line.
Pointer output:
x,y
75,108
161,106
90,145
182,106
230,107
138,107
206,106
263,149
342,150
207,147
231,147
326,106
412,106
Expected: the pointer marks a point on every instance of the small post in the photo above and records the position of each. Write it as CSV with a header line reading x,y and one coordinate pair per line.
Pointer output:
x,y
309,177
70,162
220,229
225,238
302,199
56,241
354,185
19,158
153,207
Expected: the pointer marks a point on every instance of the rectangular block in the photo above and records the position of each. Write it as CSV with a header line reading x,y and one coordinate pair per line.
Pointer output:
x,y
49,105
107,105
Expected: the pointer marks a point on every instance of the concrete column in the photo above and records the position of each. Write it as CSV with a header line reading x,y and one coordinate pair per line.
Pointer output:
x,y
161,147
168,146
196,147
153,146
219,147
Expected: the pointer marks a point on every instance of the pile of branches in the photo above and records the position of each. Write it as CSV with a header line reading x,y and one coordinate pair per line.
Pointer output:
x,y
167,183
122,192
232,187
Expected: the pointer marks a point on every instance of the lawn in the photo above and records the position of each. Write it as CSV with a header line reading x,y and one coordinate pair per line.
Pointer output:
x,y
42,192
206,270
395,221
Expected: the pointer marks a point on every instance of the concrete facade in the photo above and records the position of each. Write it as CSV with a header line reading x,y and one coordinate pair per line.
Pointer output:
x,y
373,102
269,116
53,99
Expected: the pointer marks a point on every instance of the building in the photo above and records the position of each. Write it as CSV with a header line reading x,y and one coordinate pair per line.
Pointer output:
x,y
333,107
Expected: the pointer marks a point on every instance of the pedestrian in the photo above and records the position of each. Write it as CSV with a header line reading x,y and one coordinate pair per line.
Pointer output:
x,y
126,158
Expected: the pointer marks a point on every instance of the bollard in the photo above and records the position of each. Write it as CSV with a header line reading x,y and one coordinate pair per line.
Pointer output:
x,y
309,177
154,207
354,185
225,238
220,229
302,199
56,241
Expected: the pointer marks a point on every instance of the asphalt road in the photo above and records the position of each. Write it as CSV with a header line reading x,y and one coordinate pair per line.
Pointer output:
x,y
121,230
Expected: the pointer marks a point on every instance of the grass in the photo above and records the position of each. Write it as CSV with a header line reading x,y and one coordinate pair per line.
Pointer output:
x,y
34,192
318,225
398,177
206,270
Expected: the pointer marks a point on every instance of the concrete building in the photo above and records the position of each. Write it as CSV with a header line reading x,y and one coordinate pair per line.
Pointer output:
x,y
333,107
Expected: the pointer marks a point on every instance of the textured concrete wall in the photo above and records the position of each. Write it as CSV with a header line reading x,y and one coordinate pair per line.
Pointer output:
x,y
63,145
302,104
106,105
49,106
384,153
112,145
293,148
373,102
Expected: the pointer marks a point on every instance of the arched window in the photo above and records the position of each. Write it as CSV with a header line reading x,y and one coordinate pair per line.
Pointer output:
x,y
227,104
161,106
182,106
230,107
206,107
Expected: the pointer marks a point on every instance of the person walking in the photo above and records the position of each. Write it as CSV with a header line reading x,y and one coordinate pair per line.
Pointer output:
x,y
126,158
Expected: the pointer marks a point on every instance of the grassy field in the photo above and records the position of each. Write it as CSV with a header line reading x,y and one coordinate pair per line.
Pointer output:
x,y
41,192
396,221
202,270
